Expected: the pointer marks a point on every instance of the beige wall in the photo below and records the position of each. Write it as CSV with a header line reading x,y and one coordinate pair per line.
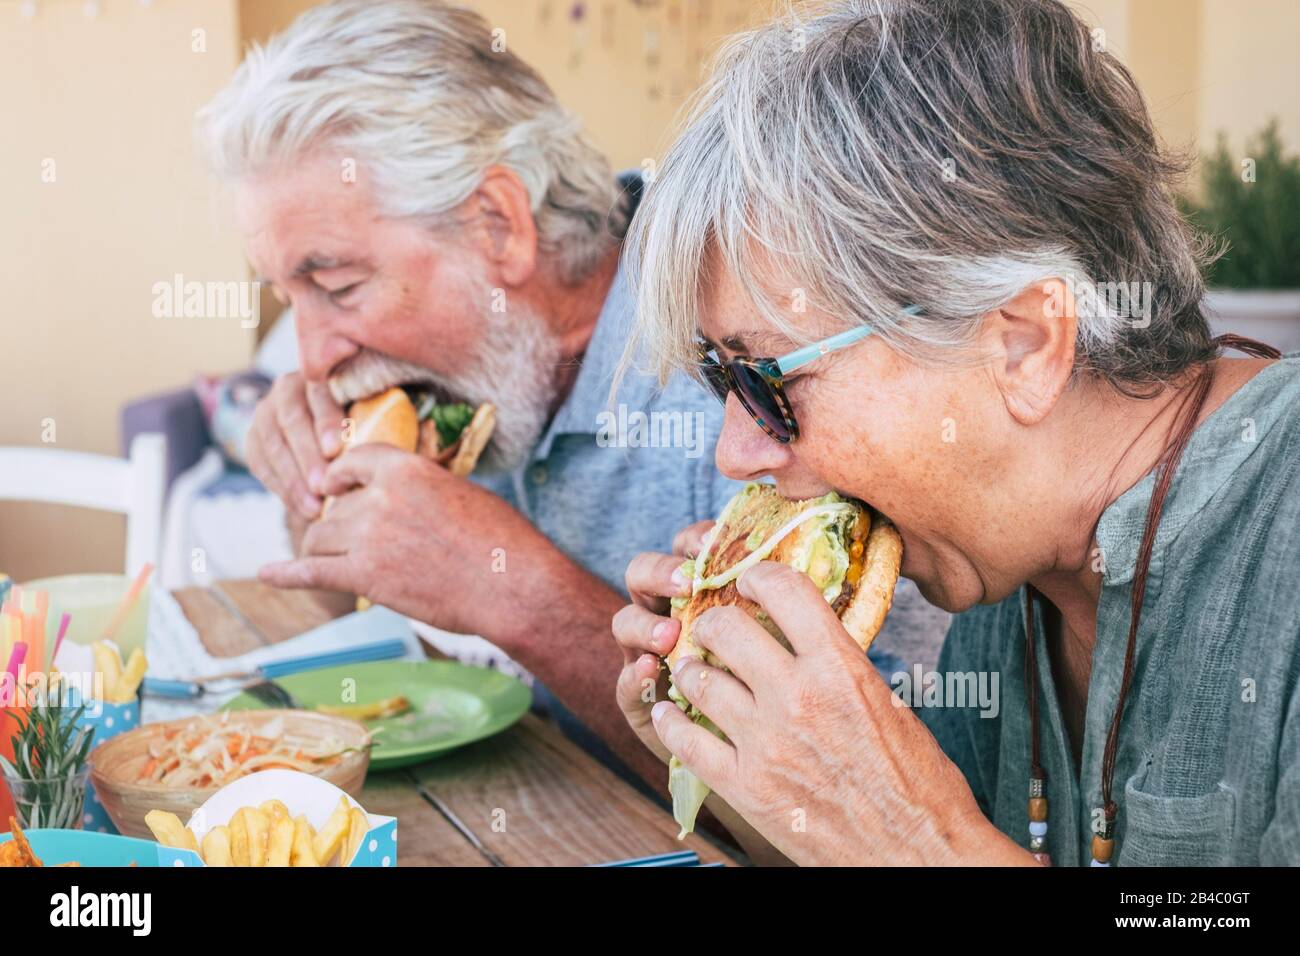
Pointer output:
x,y
1250,68
625,86
1208,66
111,101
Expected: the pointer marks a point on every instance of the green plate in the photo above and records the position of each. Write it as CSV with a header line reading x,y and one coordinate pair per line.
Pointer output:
x,y
451,704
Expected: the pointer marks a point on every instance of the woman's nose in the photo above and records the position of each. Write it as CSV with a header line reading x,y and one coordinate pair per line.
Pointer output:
x,y
745,452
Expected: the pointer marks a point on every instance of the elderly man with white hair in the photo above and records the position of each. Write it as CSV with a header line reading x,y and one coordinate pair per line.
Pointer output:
x,y
435,218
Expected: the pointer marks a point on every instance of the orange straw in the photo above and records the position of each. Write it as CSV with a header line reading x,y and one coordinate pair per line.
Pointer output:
x,y
8,626
29,638
38,630
128,602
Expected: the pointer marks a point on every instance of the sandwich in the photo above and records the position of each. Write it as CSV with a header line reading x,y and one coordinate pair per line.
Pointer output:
x,y
452,434
851,553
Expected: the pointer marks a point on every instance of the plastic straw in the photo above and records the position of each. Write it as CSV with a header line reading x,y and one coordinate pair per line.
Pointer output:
x,y
30,664
7,635
16,658
128,602
38,630
58,641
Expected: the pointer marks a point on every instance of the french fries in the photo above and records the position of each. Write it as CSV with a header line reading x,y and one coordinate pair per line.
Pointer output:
x,y
121,681
358,826
280,842
167,829
389,707
302,853
256,825
216,847
269,836
329,840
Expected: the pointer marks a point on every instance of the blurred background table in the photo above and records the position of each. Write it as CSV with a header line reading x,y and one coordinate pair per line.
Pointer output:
x,y
526,797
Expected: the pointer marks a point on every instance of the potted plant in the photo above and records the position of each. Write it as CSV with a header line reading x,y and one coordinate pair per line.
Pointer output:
x,y
1251,204
48,775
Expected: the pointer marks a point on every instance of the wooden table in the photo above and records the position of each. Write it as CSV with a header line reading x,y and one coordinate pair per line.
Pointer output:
x,y
526,797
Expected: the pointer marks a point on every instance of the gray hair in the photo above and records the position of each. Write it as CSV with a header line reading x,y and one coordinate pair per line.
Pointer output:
x,y
874,154
427,97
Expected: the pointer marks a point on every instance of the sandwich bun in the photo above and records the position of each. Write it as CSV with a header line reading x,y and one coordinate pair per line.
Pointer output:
x,y
388,418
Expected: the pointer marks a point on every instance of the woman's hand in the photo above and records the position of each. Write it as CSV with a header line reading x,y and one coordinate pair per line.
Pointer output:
x,y
645,632
822,759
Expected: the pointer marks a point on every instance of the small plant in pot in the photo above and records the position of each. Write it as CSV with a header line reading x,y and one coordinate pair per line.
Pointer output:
x,y
1250,204
48,775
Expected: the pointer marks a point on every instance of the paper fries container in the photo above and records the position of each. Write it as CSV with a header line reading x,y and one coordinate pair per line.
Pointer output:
x,y
303,794
108,720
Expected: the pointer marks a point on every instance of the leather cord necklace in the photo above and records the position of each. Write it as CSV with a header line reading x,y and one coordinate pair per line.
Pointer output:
x,y
1103,842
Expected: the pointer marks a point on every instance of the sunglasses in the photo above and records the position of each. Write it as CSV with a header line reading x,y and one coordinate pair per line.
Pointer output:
x,y
759,383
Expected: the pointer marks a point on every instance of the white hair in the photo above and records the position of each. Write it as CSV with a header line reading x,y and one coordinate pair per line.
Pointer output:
x,y
948,154
426,97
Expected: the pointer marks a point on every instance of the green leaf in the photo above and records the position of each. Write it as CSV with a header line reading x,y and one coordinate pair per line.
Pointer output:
x,y
450,421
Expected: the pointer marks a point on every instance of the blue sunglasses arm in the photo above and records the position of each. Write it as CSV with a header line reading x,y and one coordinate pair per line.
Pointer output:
x,y
800,357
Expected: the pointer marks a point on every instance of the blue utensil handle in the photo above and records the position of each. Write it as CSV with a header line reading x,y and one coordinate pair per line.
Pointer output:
x,y
678,858
172,689
378,651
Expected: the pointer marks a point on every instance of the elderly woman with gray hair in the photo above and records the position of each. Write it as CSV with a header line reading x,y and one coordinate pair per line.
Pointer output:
x,y
963,202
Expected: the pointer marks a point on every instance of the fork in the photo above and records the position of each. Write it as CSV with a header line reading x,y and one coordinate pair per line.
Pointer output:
x,y
272,694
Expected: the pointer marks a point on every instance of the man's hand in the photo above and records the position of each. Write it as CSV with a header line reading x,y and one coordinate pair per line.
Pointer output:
x,y
297,428
408,534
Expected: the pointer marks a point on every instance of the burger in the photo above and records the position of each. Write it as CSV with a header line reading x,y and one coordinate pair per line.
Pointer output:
x,y
453,434
850,552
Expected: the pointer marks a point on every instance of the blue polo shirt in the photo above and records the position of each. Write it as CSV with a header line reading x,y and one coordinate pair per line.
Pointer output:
x,y
610,480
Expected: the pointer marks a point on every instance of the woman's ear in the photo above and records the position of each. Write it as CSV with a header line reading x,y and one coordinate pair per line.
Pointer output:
x,y
507,231
1031,342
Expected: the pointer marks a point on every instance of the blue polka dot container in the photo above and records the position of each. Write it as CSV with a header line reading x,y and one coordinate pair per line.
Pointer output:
x,y
108,720
301,793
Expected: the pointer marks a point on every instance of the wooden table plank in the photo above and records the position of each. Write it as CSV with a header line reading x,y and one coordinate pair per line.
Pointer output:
x,y
534,798
424,836
528,796
276,614
223,634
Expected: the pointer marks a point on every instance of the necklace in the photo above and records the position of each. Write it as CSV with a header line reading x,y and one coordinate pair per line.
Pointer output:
x,y
1103,840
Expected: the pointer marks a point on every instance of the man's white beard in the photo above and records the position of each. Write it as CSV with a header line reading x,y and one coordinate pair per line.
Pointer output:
x,y
515,370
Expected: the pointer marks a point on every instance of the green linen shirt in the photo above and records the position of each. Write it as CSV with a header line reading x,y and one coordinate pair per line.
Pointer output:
x,y
1208,767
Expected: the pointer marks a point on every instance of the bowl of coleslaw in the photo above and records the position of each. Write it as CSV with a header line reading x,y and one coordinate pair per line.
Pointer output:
x,y
176,765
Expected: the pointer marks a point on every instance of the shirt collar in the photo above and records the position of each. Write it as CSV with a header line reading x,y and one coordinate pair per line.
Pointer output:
x,y
577,415
590,393
1215,452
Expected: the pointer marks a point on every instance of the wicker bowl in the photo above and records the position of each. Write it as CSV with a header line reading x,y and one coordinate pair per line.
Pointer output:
x,y
115,764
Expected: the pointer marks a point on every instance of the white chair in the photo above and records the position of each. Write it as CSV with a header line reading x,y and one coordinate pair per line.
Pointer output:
x,y
133,487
